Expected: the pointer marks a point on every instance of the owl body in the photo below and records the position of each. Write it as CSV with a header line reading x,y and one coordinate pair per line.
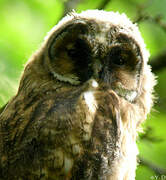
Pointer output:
x,y
80,102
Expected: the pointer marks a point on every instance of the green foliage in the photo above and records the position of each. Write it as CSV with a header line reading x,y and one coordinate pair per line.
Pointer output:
x,y
25,23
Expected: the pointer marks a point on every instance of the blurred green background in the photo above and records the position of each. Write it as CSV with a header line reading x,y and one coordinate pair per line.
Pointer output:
x,y
23,25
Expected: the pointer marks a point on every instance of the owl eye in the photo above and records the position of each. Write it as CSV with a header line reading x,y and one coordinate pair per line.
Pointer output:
x,y
79,50
66,36
118,60
72,53
118,56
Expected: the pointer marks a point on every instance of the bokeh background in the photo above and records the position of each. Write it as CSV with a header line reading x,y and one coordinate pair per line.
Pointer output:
x,y
23,25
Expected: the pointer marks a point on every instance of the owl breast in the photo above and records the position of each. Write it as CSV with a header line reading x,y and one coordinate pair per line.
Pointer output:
x,y
89,134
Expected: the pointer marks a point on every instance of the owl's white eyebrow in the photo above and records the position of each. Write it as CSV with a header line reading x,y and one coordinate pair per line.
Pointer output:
x,y
73,80
129,95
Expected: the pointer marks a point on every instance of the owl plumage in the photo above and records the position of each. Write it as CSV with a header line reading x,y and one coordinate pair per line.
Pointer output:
x,y
80,102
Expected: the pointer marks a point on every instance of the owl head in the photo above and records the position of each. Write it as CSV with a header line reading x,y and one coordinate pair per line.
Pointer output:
x,y
97,48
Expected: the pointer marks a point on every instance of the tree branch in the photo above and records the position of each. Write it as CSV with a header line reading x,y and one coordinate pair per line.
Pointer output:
x,y
156,19
69,5
158,170
103,4
148,135
159,62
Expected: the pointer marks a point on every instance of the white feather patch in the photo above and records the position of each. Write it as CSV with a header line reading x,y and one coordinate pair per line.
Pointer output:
x,y
94,84
90,101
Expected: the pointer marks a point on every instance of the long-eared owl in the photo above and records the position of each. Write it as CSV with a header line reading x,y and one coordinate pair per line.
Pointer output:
x,y
80,102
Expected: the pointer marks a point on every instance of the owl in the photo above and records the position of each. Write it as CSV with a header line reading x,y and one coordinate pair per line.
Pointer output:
x,y
80,102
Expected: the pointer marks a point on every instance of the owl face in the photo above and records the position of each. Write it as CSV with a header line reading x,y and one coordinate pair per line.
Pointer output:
x,y
104,50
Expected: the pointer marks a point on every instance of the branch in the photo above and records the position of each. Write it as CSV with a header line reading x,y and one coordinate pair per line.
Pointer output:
x,y
159,20
156,20
158,170
141,16
140,11
159,62
148,135
103,4
69,5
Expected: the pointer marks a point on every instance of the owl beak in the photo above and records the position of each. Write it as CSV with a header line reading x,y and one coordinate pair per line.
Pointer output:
x,y
97,67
